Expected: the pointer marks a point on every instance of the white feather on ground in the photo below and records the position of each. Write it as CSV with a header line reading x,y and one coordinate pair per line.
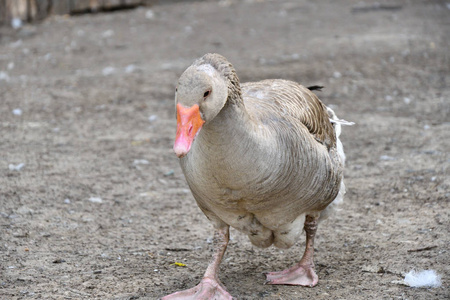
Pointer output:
x,y
425,278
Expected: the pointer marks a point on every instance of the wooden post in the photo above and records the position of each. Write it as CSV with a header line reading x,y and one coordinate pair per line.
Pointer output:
x,y
2,12
43,8
16,9
78,6
60,7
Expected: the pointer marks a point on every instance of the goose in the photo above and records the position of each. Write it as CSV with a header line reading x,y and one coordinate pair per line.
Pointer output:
x,y
263,157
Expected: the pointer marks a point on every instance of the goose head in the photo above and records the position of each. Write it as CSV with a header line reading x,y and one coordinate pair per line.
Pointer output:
x,y
201,93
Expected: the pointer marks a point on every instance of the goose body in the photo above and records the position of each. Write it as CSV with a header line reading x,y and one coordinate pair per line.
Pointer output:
x,y
265,159
258,168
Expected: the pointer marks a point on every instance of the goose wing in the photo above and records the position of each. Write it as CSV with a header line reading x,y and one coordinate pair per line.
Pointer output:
x,y
275,101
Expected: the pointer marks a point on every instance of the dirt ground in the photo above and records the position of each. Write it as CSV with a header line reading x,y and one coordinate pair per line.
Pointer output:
x,y
100,209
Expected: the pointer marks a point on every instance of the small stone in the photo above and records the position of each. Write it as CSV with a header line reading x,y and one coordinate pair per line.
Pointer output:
x,y
170,173
149,14
108,71
108,33
4,76
140,162
386,157
95,200
130,69
16,167
17,112
16,23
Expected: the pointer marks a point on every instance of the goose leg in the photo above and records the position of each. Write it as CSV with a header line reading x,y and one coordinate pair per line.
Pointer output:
x,y
303,272
210,287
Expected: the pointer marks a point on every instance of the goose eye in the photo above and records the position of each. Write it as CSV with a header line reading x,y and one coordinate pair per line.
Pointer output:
x,y
176,90
206,94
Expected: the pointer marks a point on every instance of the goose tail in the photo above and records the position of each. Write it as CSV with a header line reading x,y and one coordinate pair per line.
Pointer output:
x,y
337,123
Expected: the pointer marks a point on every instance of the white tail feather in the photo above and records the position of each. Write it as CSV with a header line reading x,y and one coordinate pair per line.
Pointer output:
x,y
340,148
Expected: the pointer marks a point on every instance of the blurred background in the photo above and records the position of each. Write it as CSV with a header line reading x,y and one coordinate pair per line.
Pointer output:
x,y
34,10
93,204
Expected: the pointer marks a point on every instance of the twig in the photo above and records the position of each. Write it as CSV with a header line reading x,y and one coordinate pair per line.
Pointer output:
x,y
375,7
177,249
422,249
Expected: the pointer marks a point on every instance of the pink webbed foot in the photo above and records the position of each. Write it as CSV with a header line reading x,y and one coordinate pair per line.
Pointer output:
x,y
297,275
207,289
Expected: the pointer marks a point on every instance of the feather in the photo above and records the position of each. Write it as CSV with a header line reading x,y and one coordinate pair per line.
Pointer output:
x,y
315,88
425,278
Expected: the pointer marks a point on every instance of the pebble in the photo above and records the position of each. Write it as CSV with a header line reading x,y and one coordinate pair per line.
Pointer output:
x,y
130,69
386,157
108,71
95,200
4,76
337,74
17,112
16,23
16,167
140,162
149,14
108,33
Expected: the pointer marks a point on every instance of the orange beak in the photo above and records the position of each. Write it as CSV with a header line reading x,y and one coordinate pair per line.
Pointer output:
x,y
189,123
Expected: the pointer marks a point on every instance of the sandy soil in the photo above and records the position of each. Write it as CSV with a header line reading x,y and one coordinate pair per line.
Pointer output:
x,y
97,120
